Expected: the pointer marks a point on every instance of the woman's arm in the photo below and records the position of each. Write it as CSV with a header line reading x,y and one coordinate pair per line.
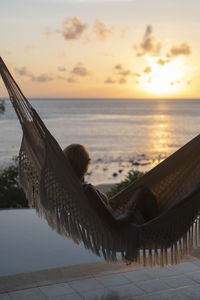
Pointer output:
x,y
118,218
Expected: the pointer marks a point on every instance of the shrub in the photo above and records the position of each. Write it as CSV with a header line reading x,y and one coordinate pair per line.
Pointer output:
x,y
11,195
131,177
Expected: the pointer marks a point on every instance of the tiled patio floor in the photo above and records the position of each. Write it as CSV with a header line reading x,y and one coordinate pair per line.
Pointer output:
x,y
173,282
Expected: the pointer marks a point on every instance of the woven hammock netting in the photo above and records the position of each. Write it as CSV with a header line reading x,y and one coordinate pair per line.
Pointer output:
x,y
53,189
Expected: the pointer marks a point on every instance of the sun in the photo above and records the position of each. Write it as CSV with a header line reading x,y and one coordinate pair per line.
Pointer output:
x,y
164,79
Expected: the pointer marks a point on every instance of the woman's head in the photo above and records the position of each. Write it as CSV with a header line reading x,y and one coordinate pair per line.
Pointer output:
x,y
79,159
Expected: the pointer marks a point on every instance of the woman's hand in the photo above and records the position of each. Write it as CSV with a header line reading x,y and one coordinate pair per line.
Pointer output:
x,y
131,205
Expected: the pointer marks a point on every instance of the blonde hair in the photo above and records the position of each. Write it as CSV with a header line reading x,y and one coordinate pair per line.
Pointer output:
x,y
79,159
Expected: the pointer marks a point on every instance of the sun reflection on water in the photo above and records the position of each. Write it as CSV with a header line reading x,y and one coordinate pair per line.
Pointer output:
x,y
159,135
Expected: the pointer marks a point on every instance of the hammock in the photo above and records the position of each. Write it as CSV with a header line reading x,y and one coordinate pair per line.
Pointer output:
x,y
51,186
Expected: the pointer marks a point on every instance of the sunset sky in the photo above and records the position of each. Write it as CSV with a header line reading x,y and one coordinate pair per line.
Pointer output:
x,y
99,48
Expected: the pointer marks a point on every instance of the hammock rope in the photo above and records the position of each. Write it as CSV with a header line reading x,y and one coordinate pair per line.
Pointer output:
x,y
53,189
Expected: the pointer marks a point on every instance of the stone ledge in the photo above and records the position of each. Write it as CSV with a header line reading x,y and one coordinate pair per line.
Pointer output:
x,y
66,274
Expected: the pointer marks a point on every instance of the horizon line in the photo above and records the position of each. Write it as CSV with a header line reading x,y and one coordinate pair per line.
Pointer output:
x,y
100,98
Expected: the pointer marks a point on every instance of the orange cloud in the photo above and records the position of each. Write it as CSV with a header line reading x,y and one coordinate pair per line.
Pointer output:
x,y
147,70
179,81
109,80
118,67
175,51
162,62
182,49
136,74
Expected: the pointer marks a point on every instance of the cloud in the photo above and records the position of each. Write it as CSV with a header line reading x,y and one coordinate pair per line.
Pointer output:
x,y
42,78
39,78
121,70
147,70
61,69
23,71
136,74
101,30
118,67
80,70
162,62
149,44
73,29
181,81
175,51
120,75
109,80
182,49
71,79
125,72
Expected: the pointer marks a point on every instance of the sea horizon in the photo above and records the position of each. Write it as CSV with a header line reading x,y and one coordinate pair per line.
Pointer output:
x,y
107,98
128,135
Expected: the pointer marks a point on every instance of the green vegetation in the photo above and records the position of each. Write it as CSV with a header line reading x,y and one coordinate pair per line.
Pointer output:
x,y
2,107
11,195
131,176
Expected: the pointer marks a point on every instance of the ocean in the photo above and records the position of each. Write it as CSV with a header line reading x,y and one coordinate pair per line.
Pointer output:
x,y
121,135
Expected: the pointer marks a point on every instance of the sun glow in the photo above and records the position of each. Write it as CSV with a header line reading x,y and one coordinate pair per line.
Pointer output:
x,y
164,79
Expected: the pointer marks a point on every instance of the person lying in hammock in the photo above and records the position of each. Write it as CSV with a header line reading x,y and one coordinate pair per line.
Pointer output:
x,y
142,205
